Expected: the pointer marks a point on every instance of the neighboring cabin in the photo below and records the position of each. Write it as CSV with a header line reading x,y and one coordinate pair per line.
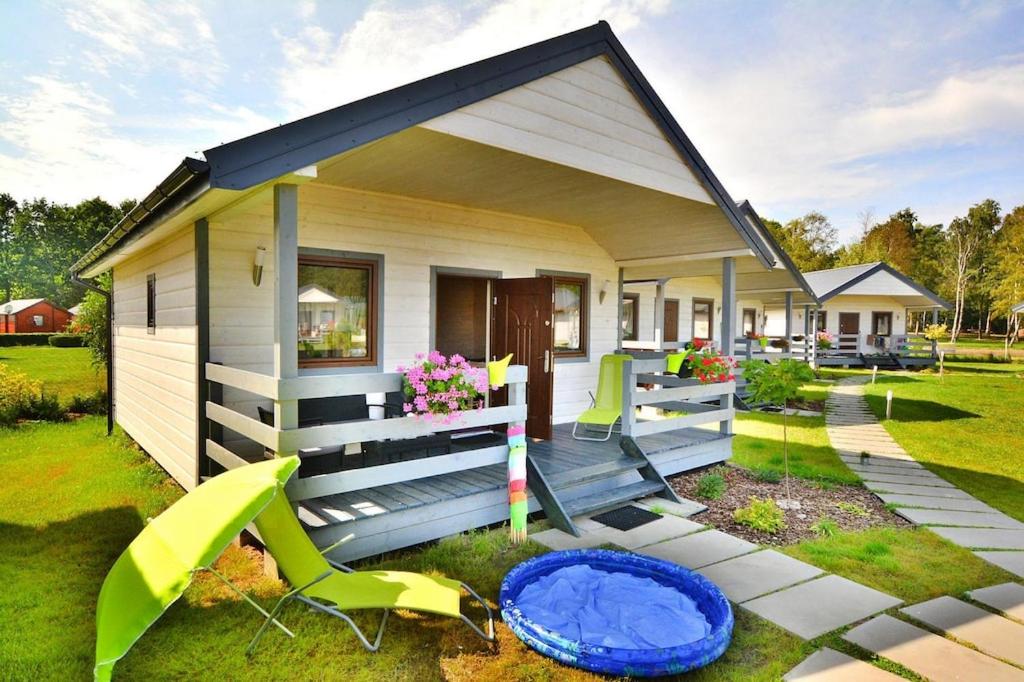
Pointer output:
x,y
866,308
28,315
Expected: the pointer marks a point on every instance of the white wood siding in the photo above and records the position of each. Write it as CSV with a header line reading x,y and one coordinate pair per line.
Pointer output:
x,y
862,305
685,290
412,235
585,117
155,374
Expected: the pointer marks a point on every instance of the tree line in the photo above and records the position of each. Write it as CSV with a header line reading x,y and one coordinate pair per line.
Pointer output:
x,y
40,240
976,262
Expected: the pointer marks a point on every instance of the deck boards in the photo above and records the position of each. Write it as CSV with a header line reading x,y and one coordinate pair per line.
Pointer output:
x,y
557,456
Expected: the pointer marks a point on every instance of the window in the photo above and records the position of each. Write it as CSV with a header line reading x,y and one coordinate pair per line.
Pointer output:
x,y
881,324
38,320
337,311
749,321
151,303
849,323
703,318
822,321
571,319
630,313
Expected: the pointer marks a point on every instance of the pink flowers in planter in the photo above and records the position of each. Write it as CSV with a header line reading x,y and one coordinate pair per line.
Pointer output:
x,y
442,388
825,340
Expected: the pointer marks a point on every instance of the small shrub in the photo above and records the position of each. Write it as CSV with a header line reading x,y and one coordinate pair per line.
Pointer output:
x,y
17,391
853,509
44,407
763,515
711,486
92,403
825,527
767,475
67,341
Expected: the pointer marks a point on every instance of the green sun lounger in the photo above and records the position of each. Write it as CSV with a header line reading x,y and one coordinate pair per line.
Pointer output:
x,y
335,588
606,409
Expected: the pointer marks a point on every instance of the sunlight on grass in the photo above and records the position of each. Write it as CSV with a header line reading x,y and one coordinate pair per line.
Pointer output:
x,y
966,426
912,564
758,445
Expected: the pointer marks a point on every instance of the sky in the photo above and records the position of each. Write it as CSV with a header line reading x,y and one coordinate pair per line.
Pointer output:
x,y
850,108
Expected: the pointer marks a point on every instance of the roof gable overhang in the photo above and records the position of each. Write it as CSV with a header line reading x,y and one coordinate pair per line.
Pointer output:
x,y
846,287
251,161
782,258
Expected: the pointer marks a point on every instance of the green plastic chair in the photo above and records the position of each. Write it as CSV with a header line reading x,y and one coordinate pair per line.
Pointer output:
x,y
335,588
606,409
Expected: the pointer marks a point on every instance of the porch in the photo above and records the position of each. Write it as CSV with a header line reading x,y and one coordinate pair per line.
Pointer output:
x,y
421,496
903,351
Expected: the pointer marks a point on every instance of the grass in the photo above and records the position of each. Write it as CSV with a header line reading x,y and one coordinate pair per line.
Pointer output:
x,y
912,564
758,446
73,499
64,371
965,426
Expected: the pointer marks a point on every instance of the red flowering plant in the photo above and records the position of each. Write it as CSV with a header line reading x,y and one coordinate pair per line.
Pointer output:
x,y
711,367
441,388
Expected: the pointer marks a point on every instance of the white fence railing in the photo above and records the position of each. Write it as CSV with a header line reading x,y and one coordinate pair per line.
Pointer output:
x,y
672,393
340,434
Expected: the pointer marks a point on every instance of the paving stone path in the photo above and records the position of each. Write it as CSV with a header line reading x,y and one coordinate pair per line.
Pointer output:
x,y
794,595
923,498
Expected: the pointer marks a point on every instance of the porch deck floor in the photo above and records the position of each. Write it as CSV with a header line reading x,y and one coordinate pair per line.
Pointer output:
x,y
556,457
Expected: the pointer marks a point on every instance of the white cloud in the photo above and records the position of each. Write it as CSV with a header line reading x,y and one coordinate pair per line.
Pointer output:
x,y
71,143
144,36
389,46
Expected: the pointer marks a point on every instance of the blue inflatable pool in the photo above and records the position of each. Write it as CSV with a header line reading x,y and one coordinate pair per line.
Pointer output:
x,y
610,612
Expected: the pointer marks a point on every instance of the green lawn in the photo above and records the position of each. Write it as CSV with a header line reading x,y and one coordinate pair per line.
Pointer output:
x,y
64,371
967,426
73,499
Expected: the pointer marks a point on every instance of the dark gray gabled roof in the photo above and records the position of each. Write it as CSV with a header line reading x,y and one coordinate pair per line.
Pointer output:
x,y
272,153
830,283
773,243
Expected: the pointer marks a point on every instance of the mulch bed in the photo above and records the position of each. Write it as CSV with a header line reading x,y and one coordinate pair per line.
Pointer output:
x,y
816,502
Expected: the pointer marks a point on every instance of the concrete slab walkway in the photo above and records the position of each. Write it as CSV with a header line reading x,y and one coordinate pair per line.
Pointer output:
x,y
771,584
923,497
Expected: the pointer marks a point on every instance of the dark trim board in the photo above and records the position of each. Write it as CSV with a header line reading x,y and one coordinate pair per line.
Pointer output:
x,y
202,275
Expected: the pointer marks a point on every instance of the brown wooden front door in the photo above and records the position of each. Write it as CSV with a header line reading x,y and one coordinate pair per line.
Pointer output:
x,y
671,319
521,324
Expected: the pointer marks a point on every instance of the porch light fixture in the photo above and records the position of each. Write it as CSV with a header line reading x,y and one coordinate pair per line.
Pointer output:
x,y
257,265
604,291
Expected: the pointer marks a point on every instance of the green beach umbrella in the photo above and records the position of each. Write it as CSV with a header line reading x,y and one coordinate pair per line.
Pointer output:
x,y
159,563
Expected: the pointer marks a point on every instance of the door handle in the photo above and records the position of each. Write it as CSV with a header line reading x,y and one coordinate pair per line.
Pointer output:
x,y
547,361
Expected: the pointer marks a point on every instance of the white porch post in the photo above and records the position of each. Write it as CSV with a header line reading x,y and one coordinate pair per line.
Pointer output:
x,y
728,330
618,316
814,336
729,306
659,315
286,299
789,315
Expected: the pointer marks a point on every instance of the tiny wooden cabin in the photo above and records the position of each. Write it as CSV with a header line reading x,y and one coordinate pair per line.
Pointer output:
x,y
264,297
32,315
866,309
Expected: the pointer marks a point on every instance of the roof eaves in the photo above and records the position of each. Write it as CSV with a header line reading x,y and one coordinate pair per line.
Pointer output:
x,y
767,235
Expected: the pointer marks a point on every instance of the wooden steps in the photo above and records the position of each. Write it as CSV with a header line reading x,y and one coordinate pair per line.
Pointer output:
x,y
603,499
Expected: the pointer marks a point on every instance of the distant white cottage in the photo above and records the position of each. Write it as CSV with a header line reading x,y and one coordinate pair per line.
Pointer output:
x,y
866,308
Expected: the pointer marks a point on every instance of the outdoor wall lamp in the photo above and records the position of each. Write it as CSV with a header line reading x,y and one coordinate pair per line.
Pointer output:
x,y
604,291
257,265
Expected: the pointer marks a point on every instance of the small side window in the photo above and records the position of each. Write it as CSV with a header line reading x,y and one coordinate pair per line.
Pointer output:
x,y
38,320
151,303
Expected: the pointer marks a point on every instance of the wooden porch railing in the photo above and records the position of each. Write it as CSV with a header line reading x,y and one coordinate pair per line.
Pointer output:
x,y
672,393
750,349
914,346
349,432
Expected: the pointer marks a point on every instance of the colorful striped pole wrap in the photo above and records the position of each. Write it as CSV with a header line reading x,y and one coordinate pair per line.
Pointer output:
x,y
517,481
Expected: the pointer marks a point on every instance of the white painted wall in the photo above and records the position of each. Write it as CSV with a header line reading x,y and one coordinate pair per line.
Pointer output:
x,y
685,290
412,236
155,374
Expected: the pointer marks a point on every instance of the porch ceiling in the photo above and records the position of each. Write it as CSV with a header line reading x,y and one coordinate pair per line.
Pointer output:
x,y
752,279
628,221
